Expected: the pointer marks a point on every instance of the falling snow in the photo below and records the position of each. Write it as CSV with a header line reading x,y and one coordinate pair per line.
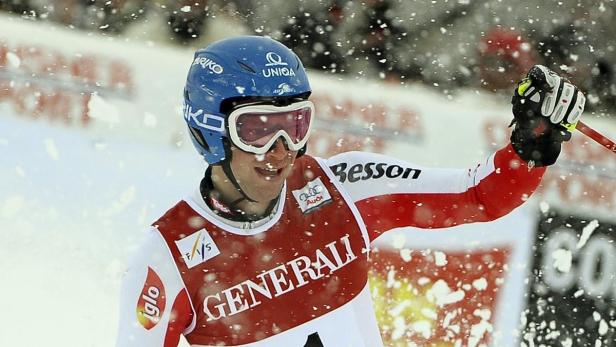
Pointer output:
x,y
89,110
586,232
440,258
103,111
562,260
52,149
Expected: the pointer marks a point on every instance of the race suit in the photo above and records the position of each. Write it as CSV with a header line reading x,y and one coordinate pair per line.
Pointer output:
x,y
300,277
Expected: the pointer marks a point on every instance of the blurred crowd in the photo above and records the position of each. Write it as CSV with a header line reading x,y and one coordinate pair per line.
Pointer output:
x,y
486,44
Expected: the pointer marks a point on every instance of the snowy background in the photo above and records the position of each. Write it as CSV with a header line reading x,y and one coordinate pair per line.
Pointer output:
x,y
72,210
88,160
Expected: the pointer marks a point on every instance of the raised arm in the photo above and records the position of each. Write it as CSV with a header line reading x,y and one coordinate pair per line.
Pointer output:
x,y
391,193
154,305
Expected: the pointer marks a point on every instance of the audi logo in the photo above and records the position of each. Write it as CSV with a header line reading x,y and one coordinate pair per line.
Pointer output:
x,y
311,192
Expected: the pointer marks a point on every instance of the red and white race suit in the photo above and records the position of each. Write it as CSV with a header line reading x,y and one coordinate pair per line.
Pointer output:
x,y
300,278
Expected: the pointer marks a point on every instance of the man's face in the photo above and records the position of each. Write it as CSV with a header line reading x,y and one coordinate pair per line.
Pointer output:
x,y
262,176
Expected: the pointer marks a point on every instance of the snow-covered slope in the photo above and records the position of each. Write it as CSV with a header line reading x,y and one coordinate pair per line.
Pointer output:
x,y
71,210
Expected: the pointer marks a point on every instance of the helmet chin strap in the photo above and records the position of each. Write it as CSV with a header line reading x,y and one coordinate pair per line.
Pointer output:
x,y
226,168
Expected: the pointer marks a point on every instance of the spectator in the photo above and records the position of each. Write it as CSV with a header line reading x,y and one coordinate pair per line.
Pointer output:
x,y
15,6
504,58
573,50
110,16
187,18
309,34
168,22
372,36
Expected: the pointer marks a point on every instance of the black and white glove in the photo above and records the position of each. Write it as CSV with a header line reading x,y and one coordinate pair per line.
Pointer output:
x,y
546,108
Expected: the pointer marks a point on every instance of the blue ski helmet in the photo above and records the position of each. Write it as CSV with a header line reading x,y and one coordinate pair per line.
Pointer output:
x,y
251,67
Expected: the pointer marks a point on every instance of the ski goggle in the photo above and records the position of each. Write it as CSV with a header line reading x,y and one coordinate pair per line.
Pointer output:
x,y
255,128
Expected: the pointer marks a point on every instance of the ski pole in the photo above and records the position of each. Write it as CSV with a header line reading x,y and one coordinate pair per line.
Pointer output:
x,y
599,138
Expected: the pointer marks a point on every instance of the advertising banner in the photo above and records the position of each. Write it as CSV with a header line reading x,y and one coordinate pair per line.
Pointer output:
x,y
460,286
572,287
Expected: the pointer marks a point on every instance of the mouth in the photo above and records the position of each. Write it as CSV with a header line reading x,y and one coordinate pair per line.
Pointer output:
x,y
269,173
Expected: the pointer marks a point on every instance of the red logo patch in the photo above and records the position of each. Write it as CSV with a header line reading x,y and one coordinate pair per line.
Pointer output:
x,y
151,303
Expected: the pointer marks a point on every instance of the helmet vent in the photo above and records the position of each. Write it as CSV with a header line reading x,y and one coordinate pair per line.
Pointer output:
x,y
246,67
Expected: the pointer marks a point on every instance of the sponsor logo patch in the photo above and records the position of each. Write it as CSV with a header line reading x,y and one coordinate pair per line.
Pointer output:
x,y
313,195
273,59
152,300
197,248
283,88
219,205
276,67
362,172
204,120
281,280
209,64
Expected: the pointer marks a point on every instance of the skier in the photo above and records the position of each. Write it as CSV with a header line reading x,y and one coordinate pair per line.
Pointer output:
x,y
272,247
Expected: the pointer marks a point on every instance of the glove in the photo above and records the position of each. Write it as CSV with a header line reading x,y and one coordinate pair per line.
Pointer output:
x,y
546,108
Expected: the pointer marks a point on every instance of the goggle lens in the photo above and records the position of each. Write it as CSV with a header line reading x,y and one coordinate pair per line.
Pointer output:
x,y
256,129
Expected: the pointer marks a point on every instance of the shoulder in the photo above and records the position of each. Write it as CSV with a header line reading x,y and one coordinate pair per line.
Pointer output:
x,y
355,166
345,160
183,221
182,216
152,263
180,211
152,251
151,295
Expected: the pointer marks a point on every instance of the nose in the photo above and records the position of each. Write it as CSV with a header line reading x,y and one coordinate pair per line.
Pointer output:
x,y
278,150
